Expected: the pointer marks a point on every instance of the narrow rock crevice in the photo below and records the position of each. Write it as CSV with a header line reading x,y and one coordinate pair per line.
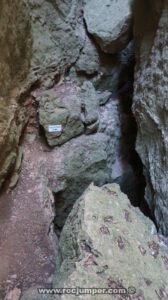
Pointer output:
x,y
119,106
133,183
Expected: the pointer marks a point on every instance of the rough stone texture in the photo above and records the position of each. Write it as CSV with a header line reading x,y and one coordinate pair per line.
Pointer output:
x,y
56,42
39,40
106,243
151,112
61,106
14,47
74,108
106,79
144,31
111,239
58,36
14,63
88,61
90,104
42,47
104,238
13,117
72,168
110,23
110,125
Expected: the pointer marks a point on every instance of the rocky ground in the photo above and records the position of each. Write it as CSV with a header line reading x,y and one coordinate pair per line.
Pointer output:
x,y
26,249
83,86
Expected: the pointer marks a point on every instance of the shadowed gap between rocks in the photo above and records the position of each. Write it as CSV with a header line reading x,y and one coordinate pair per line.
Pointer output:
x,y
131,182
134,185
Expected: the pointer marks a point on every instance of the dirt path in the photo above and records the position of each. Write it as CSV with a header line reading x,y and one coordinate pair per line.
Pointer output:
x,y
27,254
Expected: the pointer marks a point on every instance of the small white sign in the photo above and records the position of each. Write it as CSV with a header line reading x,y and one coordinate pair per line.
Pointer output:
x,y
54,128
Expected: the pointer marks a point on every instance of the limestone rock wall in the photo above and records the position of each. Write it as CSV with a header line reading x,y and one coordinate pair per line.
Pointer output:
x,y
34,42
49,60
69,64
15,45
151,105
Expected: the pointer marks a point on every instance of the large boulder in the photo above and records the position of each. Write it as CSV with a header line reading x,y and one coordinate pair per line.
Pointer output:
x,y
108,244
61,106
71,108
71,168
110,23
151,106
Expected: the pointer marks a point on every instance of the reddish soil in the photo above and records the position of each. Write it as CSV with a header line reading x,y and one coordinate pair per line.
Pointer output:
x,y
27,252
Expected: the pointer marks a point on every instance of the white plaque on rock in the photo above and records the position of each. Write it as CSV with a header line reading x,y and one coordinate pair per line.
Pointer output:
x,y
54,128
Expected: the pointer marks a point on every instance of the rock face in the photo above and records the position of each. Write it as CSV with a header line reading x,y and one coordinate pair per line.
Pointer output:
x,y
14,62
67,66
72,168
88,61
14,47
13,118
61,106
72,107
50,59
35,45
151,108
107,243
58,36
110,23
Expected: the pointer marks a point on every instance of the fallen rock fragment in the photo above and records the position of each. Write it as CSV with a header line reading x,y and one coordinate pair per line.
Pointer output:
x,y
110,23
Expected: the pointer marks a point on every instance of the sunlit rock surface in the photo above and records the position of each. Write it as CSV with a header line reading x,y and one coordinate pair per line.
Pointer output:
x,y
107,243
110,23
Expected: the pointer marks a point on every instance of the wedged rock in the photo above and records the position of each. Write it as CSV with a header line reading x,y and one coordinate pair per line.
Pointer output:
x,y
61,106
103,97
151,108
110,23
107,243
88,61
109,116
73,167
90,103
72,107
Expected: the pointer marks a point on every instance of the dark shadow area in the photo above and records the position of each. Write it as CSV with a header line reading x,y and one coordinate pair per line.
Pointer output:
x,y
133,182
